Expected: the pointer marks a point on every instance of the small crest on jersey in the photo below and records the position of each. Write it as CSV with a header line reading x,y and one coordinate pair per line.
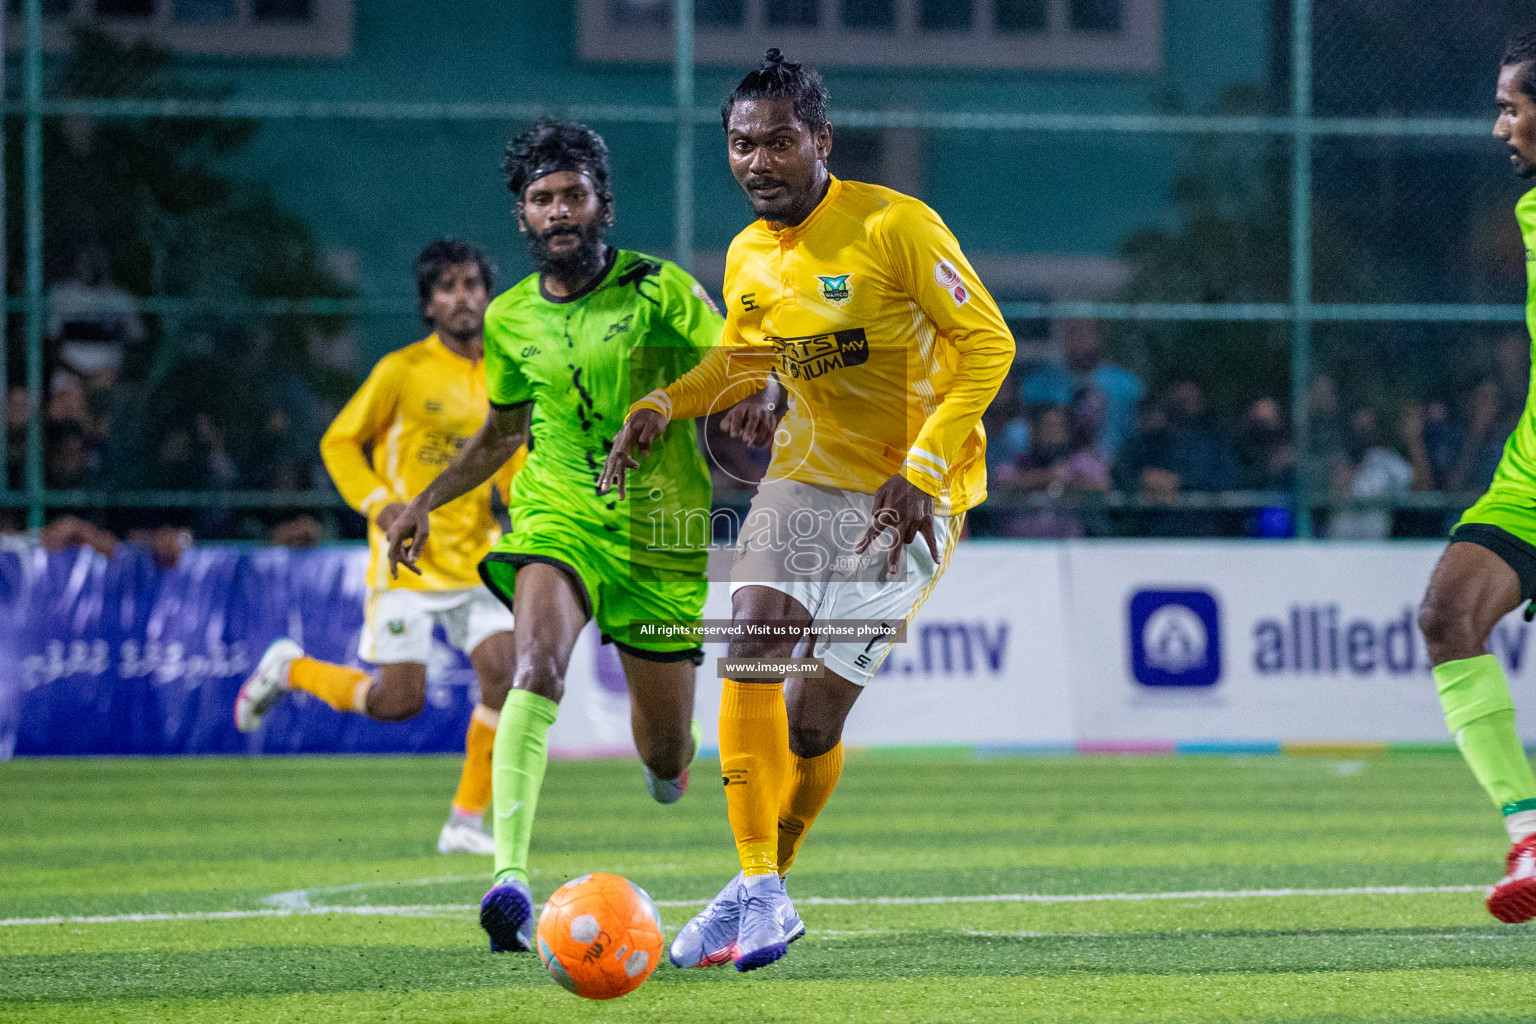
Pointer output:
x,y
434,406
703,296
948,277
834,288
396,627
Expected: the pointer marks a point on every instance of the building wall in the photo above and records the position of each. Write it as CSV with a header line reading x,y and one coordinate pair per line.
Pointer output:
x,y
375,192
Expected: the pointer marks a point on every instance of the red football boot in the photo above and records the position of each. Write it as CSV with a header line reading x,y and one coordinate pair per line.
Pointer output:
x,y
1513,898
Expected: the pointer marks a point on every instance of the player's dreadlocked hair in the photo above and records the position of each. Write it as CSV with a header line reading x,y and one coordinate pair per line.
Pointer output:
x,y
549,146
439,256
1521,49
778,79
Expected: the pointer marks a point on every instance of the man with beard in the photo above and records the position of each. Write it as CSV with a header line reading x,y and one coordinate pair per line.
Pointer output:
x,y
1489,568
561,348
403,425
862,303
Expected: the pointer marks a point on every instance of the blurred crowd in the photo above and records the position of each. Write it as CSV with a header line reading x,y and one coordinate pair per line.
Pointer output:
x,y
1077,445
219,414
1064,437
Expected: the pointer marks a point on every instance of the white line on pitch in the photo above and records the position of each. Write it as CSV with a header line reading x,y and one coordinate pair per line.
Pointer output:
x,y
425,910
296,899
1110,897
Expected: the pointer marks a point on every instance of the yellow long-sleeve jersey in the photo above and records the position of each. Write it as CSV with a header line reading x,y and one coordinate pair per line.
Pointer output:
x,y
415,411
878,327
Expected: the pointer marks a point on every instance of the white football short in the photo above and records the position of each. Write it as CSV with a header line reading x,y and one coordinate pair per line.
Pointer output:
x,y
798,539
397,624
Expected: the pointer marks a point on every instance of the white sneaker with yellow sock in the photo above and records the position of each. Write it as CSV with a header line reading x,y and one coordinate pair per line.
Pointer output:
x,y
266,686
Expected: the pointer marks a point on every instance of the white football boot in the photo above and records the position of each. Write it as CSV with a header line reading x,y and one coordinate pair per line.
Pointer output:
x,y
266,687
769,922
465,833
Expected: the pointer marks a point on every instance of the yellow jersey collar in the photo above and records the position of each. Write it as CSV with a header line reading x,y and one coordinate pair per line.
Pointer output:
x,y
441,348
834,187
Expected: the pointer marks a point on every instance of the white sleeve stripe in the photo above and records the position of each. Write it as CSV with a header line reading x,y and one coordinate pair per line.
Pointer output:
x,y
927,456
918,467
664,400
375,496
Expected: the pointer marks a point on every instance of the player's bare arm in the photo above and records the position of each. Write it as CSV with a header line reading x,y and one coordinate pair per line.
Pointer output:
x,y
754,418
498,439
905,511
632,444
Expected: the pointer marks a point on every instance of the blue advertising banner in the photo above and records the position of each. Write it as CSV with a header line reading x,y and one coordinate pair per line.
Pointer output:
x,y
118,656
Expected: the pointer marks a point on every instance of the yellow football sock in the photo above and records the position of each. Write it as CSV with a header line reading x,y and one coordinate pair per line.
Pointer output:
x,y
811,782
754,764
342,687
475,780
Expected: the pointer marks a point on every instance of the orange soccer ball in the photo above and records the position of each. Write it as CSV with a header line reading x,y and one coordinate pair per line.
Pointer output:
x,y
600,936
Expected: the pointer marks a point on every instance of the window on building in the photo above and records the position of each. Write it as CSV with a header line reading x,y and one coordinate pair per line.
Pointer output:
x,y
1020,15
281,10
719,13
945,15
125,8
792,13
1078,35
1094,15
869,14
204,11
279,28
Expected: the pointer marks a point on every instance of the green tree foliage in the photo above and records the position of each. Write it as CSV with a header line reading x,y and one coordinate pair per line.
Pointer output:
x,y
157,195
1231,244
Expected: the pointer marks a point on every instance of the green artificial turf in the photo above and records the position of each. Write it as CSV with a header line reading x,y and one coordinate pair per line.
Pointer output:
x,y
337,909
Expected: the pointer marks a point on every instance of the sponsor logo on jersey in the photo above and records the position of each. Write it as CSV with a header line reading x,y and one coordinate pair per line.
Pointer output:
x,y
434,406
439,447
619,327
529,351
834,288
1175,638
948,276
818,355
703,296
396,627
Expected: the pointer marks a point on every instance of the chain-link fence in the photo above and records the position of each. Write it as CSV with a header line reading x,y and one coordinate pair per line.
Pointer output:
x,y
1266,281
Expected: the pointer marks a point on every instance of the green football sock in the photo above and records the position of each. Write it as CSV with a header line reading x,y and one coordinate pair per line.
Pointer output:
x,y
1481,715
517,772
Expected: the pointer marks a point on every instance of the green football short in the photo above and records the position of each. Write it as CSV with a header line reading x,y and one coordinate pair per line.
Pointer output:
x,y
1504,522
1507,509
606,584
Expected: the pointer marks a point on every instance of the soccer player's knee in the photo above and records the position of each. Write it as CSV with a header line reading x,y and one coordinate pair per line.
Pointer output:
x,y
396,703
812,739
751,647
495,682
539,673
669,760
1449,626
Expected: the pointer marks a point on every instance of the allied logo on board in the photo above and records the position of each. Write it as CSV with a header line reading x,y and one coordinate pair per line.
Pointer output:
x,y
1175,638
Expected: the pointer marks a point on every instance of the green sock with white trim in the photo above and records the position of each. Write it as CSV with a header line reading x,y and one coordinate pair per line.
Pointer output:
x,y
1481,715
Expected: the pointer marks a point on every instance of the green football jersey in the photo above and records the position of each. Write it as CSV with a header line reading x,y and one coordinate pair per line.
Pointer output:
x,y
1517,469
1510,502
582,361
